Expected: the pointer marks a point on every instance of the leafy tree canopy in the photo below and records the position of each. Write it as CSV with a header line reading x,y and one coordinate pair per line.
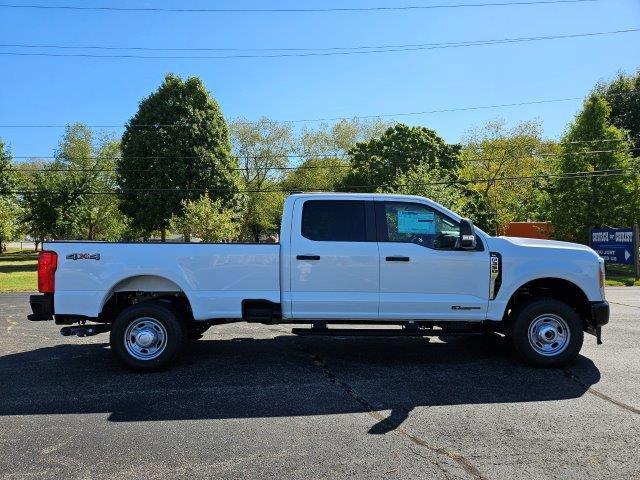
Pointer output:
x,y
378,162
7,179
494,158
316,174
623,96
177,143
579,203
207,220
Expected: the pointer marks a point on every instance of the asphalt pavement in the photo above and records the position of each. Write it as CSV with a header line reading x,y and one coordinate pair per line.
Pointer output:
x,y
254,401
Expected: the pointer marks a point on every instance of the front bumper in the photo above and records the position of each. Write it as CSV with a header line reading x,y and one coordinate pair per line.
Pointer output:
x,y
599,314
42,307
599,317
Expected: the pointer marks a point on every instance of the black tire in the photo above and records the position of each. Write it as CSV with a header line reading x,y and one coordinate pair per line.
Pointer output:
x,y
533,330
152,318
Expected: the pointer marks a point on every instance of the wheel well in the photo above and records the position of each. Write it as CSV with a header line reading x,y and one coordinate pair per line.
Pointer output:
x,y
556,288
118,301
145,288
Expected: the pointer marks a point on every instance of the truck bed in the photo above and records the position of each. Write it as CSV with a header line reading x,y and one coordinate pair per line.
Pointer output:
x,y
214,277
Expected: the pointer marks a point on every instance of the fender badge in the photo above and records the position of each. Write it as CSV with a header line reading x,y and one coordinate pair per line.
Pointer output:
x,y
83,256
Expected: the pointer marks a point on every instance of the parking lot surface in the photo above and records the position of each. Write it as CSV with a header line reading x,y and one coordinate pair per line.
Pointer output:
x,y
254,401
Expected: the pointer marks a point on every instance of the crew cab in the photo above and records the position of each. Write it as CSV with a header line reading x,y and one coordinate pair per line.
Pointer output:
x,y
397,264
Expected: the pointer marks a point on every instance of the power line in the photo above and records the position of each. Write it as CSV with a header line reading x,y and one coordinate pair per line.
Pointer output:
x,y
566,175
313,155
295,49
471,43
290,10
536,156
326,119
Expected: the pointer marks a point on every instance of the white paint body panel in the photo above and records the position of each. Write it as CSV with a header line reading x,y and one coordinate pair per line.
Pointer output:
x,y
352,281
527,259
432,282
343,284
214,277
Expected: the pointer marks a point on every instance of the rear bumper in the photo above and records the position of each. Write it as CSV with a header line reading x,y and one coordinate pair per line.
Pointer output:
x,y
42,307
599,314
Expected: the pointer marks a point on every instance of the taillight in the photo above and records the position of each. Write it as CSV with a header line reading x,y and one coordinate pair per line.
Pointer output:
x,y
47,264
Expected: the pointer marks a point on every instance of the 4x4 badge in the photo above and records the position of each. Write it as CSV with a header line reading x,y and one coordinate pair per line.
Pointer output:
x,y
83,256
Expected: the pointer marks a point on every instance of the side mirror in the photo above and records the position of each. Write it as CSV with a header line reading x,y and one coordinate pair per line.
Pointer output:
x,y
467,235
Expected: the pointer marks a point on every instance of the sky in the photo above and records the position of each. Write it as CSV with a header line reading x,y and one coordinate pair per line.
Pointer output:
x,y
40,90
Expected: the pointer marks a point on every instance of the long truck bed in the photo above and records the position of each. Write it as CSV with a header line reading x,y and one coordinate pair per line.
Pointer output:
x,y
214,277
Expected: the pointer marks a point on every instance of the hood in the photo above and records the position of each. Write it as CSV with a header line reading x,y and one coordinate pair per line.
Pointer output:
x,y
536,242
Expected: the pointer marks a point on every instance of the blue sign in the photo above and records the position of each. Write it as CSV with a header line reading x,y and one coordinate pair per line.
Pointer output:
x,y
614,245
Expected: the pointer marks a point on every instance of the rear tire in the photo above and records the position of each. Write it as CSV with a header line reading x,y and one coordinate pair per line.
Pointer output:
x,y
147,336
547,333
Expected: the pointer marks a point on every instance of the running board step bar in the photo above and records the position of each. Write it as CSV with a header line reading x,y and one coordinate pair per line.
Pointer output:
x,y
380,332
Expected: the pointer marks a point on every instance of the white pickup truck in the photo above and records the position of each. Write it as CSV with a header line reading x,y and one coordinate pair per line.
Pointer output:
x,y
360,259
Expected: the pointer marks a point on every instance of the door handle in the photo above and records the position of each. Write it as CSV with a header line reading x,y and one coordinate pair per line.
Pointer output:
x,y
397,259
308,257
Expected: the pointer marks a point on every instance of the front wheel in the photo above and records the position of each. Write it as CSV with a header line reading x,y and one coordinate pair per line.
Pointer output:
x,y
147,336
547,333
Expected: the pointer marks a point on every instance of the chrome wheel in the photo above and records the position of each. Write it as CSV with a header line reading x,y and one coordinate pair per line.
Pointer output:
x,y
145,338
549,335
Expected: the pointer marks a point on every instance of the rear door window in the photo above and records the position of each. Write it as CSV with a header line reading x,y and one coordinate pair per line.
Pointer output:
x,y
334,220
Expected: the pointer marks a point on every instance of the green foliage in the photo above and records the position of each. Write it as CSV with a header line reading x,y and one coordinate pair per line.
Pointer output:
x,y
207,220
262,149
9,220
178,141
623,96
377,164
339,138
89,169
262,213
61,202
48,203
579,203
435,183
7,180
316,174
493,160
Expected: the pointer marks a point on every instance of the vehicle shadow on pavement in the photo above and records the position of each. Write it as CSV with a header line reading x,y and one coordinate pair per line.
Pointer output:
x,y
280,377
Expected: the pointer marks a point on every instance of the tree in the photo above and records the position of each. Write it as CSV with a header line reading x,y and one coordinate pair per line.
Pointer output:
x,y
494,159
88,171
623,96
337,139
595,200
262,213
47,200
323,151
207,220
70,198
7,179
435,183
9,220
316,174
9,209
175,148
263,150
377,164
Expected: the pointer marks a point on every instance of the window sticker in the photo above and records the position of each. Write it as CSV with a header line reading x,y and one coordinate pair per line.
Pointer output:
x,y
416,222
